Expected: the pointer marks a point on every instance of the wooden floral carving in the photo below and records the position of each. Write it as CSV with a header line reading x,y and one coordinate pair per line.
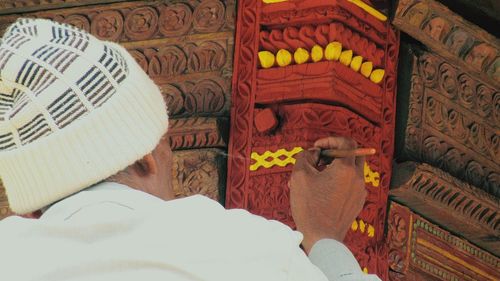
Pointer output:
x,y
453,122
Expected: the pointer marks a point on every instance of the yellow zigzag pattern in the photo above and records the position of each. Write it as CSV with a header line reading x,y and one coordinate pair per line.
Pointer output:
x,y
260,160
371,176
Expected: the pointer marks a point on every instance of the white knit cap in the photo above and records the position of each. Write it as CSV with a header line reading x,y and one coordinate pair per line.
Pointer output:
x,y
74,110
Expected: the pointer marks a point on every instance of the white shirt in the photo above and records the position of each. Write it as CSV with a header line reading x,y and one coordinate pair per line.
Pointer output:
x,y
112,232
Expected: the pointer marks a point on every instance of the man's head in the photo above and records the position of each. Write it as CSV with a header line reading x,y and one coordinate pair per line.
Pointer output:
x,y
152,173
74,111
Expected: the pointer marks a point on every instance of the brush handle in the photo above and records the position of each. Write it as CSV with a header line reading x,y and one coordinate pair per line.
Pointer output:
x,y
339,153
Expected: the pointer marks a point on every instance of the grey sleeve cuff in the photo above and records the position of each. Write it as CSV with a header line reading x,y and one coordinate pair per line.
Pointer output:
x,y
336,261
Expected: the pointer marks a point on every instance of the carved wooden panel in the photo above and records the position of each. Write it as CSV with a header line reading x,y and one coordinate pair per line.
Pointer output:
x,y
306,69
199,132
199,171
421,250
460,42
21,6
453,122
454,205
186,47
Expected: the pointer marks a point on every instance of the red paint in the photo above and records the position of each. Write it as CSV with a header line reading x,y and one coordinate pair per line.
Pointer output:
x,y
265,121
310,101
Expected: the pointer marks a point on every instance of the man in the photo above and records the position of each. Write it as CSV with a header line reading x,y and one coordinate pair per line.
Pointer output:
x,y
81,138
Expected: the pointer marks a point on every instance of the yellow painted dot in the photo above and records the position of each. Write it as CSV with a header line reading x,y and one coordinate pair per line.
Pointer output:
x,y
371,231
346,57
333,51
354,226
365,270
362,226
316,53
377,76
356,63
283,57
266,59
301,56
366,68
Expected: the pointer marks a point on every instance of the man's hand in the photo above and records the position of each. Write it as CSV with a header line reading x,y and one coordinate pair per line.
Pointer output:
x,y
325,203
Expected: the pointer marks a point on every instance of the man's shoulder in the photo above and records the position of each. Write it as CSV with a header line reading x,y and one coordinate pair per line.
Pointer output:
x,y
239,220
13,226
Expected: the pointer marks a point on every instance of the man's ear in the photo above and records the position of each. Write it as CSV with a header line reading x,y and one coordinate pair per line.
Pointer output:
x,y
146,166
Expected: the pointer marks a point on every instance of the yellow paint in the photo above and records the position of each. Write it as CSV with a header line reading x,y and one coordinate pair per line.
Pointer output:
x,y
266,59
365,270
261,159
371,231
453,258
408,242
356,63
283,57
377,76
362,226
366,69
273,1
354,225
301,56
346,57
333,51
370,10
441,265
316,53
371,176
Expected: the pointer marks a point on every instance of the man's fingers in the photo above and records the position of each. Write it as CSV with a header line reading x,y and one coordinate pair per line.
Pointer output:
x,y
339,143
336,142
307,161
360,165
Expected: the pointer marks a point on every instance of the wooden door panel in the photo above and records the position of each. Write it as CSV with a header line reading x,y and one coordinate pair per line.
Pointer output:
x,y
290,88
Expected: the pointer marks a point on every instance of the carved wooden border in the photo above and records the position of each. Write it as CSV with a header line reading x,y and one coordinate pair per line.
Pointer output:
x,y
246,46
187,48
143,20
197,132
22,6
453,122
455,205
447,34
420,250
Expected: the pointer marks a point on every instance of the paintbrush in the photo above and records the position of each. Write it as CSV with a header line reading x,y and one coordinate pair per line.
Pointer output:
x,y
339,153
